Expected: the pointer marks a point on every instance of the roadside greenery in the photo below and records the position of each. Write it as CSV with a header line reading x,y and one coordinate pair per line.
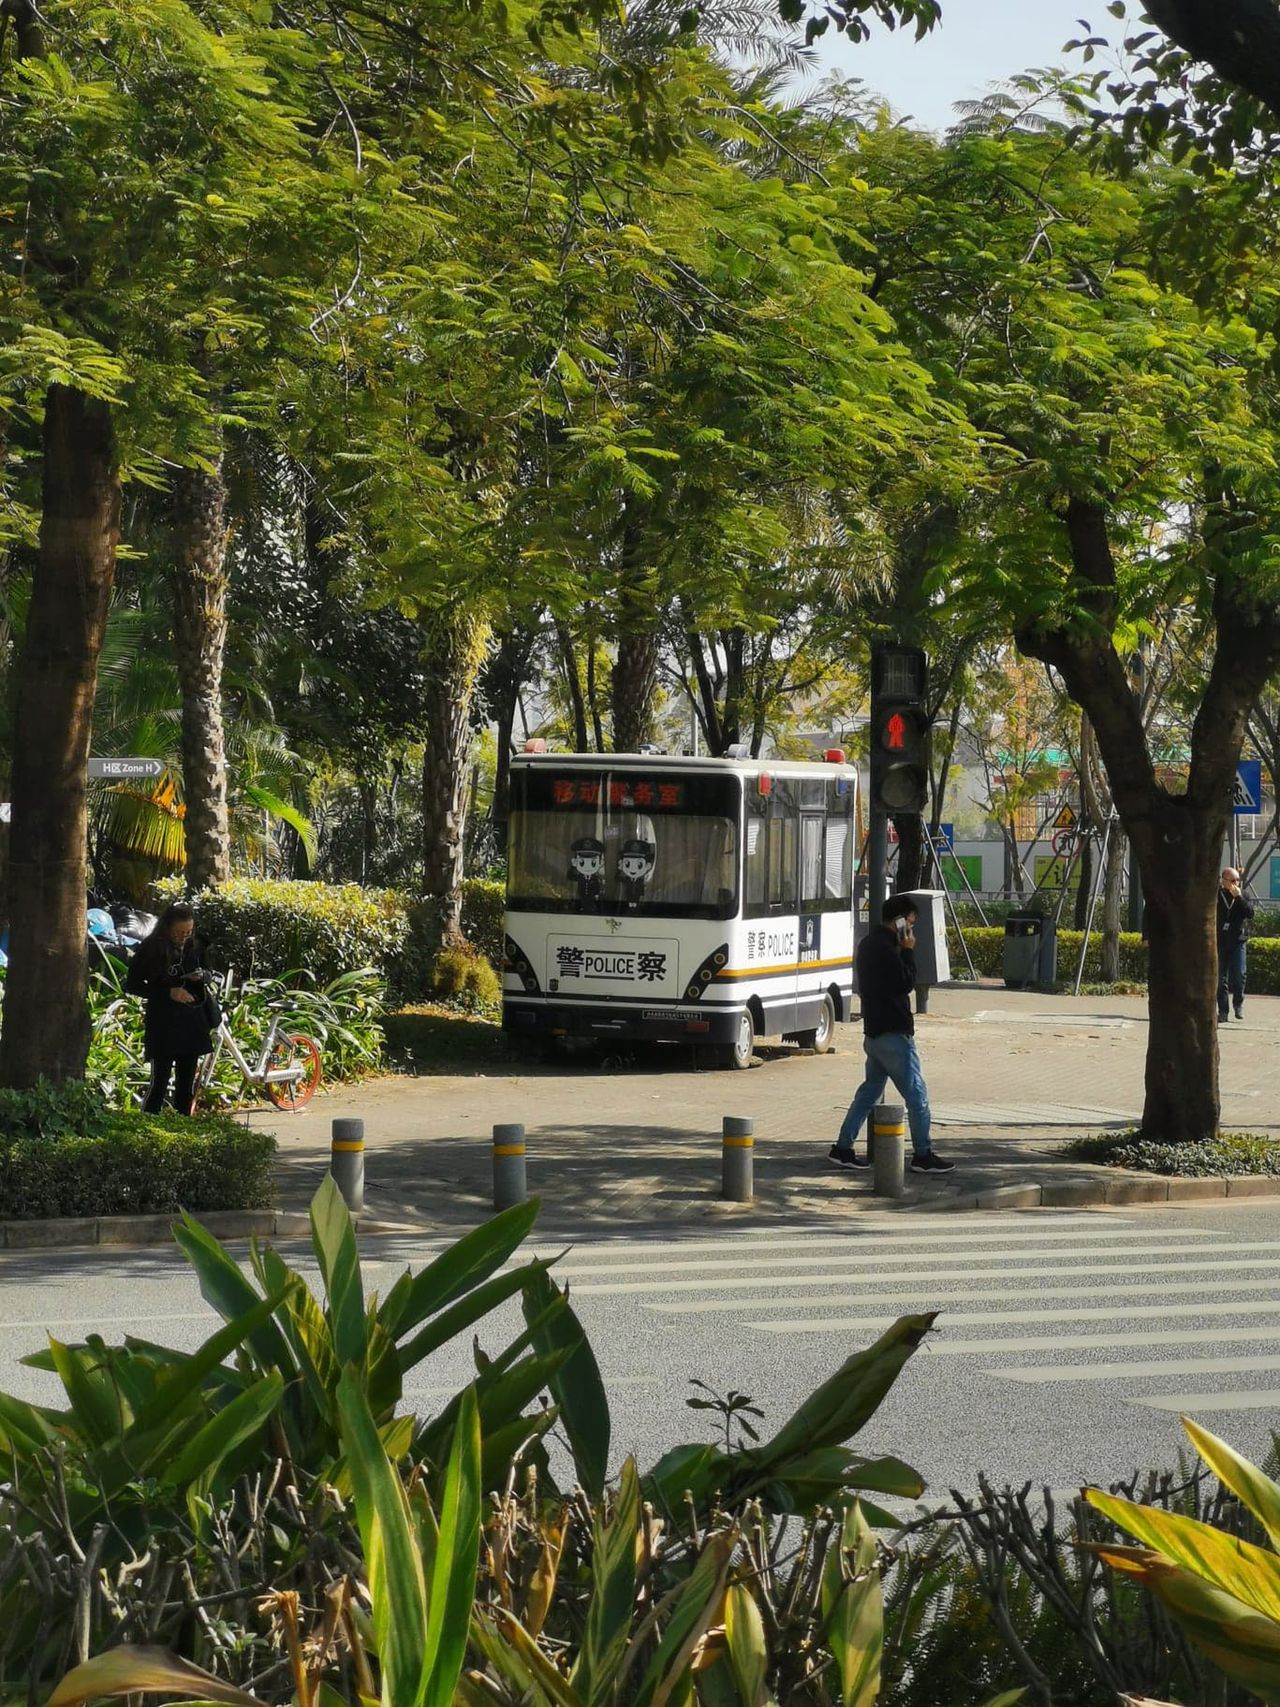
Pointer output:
x,y
1229,1153
64,1152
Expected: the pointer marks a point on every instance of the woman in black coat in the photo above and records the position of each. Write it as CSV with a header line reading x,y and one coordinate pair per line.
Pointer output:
x,y
170,972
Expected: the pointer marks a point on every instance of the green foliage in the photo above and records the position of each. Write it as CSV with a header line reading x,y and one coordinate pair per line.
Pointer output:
x,y
1218,1158
1223,1593
462,976
484,906
269,929
63,1151
986,948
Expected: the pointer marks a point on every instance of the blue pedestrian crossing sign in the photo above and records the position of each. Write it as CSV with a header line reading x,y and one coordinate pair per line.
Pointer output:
x,y
1246,796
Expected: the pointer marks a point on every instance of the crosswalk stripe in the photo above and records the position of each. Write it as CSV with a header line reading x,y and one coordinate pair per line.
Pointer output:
x,y
859,1271
1050,1374
1122,1313
1051,1343
1042,1240
1251,1399
999,1287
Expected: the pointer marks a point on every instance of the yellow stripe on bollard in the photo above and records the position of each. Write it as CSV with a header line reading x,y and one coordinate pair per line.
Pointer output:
x,y
508,1149
348,1144
890,1131
738,1143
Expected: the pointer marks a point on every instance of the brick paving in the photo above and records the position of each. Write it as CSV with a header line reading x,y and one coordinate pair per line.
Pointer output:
x,y
1013,1077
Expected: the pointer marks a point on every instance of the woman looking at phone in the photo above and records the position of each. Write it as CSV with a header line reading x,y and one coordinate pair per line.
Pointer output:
x,y
169,973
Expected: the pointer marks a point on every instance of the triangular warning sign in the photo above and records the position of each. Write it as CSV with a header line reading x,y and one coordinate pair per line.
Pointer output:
x,y
1066,819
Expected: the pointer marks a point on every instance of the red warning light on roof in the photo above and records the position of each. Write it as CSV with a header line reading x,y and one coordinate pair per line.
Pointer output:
x,y
834,755
536,745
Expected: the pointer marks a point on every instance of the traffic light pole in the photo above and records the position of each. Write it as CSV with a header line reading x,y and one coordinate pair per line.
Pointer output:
x,y
877,864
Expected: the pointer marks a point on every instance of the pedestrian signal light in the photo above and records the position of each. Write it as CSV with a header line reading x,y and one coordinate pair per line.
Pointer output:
x,y
899,731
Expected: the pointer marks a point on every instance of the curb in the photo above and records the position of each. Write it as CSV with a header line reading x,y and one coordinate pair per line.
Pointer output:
x,y
121,1231
82,1232
1113,1193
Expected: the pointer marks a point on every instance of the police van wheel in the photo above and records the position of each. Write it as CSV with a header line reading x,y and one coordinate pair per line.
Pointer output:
x,y
740,1052
820,1037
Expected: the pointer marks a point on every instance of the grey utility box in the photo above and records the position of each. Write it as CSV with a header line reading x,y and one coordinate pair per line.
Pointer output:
x,y
933,963
1030,951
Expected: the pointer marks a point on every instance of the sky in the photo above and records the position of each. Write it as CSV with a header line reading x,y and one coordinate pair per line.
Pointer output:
x,y
979,43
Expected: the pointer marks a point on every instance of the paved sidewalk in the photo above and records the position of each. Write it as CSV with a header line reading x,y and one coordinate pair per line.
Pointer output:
x,y
1013,1077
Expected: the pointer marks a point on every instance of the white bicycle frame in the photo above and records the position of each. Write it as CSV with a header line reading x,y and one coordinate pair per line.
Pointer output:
x,y
258,1073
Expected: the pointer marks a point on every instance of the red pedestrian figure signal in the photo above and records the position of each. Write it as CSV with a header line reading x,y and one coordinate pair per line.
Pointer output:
x,y
895,733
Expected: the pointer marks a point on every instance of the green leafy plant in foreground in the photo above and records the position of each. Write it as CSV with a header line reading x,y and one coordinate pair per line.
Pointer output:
x,y
1221,1590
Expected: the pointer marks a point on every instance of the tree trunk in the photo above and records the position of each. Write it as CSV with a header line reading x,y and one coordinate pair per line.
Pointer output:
x,y
635,687
1085,886
572,682
199,582
635,671
1180,885
1177,838
46,1018
454,654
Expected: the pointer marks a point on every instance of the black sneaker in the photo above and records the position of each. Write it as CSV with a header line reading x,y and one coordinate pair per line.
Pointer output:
x,y
847,1159
1240,1012
931,1163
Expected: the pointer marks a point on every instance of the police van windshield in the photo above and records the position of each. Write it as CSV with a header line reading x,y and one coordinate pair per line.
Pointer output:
x,y
624,841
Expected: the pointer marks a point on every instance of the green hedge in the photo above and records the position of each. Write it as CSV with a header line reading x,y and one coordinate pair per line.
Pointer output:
x,y
275,929
986,949
63,1152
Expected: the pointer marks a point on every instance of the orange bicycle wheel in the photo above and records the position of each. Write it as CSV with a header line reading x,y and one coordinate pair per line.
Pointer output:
x,y
295,1049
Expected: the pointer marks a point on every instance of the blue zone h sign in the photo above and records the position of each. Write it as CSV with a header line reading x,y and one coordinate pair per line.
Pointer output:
x,y
1246,797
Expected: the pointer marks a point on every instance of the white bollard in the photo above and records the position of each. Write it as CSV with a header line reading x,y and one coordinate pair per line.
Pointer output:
x,y
346,1161
888,1125
737,1165
510,1185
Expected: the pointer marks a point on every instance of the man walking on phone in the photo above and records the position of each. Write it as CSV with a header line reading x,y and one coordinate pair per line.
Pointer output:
x,y
886,968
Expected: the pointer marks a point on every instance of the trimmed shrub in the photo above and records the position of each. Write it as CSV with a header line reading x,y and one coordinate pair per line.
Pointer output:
x,y
484,906
464,976
986,948
269,929
64,1152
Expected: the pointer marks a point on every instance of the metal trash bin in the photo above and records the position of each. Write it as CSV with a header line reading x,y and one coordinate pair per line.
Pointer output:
x,y
1030,951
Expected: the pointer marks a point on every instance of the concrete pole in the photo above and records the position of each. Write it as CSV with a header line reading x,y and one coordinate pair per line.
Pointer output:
x,y
877,865
888,1125
737,1168
509,1183
346,1161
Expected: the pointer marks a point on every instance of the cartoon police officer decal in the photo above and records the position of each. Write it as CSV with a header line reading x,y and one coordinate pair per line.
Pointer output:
x,y
586,865
635,868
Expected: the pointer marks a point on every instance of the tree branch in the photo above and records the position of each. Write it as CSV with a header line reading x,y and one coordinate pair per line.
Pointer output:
x,y
1240,39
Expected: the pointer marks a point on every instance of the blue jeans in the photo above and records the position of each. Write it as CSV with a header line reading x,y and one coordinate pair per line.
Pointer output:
x,y
1231,977
892,1055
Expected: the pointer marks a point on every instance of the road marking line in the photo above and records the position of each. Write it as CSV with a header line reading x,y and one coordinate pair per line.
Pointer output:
x,y
1124,1313
1047,1343
1048,1374
859,1271
892,1249
1252,1399
1000,1288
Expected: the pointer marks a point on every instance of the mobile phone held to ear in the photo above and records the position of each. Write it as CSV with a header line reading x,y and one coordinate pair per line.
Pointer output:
x,y
901,926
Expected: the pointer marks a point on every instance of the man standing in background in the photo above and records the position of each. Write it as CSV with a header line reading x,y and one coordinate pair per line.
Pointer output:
x,y
1234,913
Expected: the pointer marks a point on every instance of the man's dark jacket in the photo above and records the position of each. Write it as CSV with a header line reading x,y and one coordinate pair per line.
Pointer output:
x,y
1234,913
886,978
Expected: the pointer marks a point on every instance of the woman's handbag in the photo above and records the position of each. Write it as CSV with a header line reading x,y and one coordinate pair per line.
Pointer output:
x,y
212,1010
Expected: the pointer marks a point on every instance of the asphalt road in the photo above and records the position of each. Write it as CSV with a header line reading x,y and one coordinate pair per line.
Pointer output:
x,y
1067,1345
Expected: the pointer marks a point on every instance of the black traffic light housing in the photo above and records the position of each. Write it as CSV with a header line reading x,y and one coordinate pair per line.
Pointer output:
x,y
900,727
